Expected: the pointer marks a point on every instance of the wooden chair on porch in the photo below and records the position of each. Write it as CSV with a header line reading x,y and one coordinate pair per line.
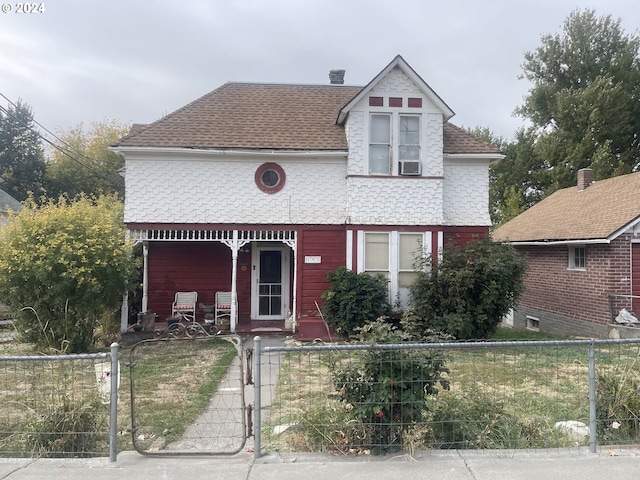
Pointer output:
x,y
185,304
223,306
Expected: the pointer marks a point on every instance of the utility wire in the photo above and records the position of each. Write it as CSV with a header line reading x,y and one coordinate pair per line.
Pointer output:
x,y
69,147
52,144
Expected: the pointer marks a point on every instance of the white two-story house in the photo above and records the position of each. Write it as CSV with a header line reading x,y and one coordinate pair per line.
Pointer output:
x,y
262,189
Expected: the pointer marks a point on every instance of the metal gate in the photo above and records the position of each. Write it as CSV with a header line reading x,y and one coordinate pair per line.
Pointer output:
x,y
188,394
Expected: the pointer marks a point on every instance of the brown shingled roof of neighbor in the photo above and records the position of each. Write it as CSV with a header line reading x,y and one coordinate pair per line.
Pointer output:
x,y
597,212
269,116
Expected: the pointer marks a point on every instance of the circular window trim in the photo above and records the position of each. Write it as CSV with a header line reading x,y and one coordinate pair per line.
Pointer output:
x,y
274,167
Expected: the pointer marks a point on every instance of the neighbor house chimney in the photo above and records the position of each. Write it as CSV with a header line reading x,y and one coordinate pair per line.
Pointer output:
x,y
585,178
336,77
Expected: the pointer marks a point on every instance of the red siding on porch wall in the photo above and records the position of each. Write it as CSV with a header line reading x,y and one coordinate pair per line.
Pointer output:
x,y
460,236
330,246
188,266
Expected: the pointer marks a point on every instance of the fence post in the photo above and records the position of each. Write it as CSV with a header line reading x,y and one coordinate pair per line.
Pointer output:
x,y
113,403
257,406
592,398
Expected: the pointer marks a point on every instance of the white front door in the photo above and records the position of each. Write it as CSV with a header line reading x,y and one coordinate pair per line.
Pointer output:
x,y
270,282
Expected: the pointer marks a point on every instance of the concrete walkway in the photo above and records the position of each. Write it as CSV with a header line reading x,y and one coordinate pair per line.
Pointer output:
x,y
220,427
576,465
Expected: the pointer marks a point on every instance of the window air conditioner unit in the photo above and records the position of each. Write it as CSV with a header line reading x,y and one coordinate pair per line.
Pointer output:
x,y
410,167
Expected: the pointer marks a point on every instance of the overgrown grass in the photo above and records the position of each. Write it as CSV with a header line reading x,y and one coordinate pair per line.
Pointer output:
x,y
174,382
507,397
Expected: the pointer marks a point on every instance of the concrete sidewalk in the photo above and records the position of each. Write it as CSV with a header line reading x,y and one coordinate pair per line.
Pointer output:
x,y
462,465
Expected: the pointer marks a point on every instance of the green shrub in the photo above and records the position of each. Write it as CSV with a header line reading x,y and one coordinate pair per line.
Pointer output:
x,y
64,266
386,390
467,292
353,299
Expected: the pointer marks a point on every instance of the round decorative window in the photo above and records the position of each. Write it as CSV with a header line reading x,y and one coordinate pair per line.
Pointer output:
x,y
270,177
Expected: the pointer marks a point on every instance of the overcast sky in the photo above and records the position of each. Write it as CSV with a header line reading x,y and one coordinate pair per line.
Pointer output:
x,y
134,61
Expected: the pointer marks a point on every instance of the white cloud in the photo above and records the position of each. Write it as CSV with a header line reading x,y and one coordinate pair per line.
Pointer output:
x,y
86,60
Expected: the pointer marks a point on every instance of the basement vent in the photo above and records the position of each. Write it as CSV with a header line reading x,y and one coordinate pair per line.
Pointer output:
x,y
533,323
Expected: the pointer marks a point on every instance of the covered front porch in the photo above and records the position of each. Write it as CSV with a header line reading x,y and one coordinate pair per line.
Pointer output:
x,y
257,266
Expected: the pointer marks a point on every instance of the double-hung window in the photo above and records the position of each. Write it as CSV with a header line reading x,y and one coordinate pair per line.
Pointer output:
x,y
394,138
376,253
577,258
380,144
410,251
409,138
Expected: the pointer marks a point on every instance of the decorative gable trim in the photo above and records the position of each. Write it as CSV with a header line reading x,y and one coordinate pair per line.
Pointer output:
x,y
400,63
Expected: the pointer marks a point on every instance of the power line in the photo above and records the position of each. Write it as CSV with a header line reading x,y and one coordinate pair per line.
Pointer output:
x,y
52,144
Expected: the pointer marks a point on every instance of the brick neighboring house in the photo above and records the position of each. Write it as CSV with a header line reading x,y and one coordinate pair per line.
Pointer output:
x,y
262,189
583,250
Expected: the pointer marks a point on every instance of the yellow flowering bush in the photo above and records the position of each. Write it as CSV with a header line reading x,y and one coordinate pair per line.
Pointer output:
x,y
64,265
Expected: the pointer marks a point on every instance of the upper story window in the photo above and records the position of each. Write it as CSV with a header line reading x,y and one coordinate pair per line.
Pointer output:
x,y
409,142
577,258
394,138
380,144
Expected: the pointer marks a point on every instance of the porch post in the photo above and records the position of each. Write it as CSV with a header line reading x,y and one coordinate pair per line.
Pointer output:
x,y
234,273
145,276
124,313
294,318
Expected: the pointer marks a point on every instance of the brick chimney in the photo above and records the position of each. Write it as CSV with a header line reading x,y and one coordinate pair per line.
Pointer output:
x,y
336,77
585,178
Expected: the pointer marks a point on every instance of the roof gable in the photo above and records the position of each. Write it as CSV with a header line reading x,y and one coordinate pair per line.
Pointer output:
x,y
598,213
398,62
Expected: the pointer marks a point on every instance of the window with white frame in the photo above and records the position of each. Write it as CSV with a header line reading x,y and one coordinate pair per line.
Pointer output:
x,y
380,144
578,258
376,253
393,255
394,138
409,139
409,251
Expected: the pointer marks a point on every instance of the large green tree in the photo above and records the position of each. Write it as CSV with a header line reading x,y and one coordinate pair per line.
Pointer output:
x,y
21,159
519,180
584,103
83,163
63,269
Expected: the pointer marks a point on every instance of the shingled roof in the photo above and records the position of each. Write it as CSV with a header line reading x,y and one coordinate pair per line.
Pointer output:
x,y
598,213
269,116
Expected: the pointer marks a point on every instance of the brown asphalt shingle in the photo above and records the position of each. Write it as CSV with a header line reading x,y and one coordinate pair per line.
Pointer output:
x,y
269,116
594,213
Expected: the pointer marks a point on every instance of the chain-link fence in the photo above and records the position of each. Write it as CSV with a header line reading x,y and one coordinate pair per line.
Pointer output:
x,y
58,405
356,399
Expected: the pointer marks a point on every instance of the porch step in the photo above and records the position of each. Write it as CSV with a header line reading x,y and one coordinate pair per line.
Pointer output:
x,y
314,328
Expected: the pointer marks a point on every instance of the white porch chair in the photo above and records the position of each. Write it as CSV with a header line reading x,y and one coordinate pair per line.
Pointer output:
x,y
223,305
185,304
